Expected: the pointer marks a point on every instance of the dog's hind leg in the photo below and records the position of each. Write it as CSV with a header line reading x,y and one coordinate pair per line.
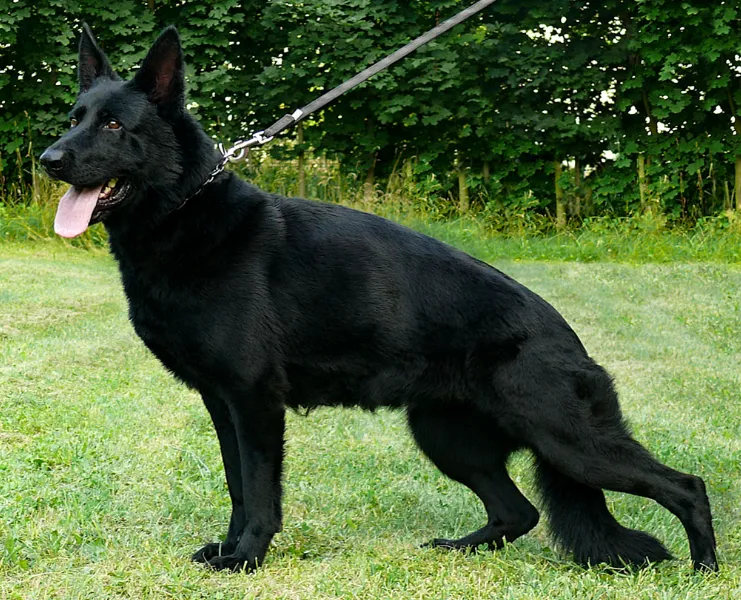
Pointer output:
x,y
582,524
623,465
583,447
465,445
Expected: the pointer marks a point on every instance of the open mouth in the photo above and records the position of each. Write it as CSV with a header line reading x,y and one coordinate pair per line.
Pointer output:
x,y
83,206
111,195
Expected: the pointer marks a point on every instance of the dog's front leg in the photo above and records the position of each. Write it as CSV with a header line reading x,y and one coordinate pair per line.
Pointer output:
x,y
229,444
259,434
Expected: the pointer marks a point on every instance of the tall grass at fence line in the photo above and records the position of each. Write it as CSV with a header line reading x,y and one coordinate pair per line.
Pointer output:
x,y
490,230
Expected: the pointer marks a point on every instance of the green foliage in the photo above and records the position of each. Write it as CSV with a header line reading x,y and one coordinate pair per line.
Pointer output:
x,y
596,86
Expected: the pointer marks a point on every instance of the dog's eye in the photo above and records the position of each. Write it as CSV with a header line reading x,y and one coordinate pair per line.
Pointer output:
x,y
73,122
113,124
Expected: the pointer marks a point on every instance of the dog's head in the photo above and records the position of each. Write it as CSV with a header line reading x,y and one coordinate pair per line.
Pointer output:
x,y
122,138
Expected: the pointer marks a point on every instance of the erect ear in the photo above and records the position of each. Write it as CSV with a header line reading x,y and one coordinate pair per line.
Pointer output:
x,y
161,76
92,63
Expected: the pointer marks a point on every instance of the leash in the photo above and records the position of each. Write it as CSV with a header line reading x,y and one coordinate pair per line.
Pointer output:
x,y
238,151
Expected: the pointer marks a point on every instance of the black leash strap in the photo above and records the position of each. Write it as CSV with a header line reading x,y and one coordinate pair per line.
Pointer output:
x,y
288,120
238,150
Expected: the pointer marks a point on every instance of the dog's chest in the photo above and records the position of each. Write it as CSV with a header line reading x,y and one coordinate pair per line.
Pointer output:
x,y
166,331
201,329
174,328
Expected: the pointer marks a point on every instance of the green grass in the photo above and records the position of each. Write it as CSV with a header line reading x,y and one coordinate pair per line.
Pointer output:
x,y
110,473
637,239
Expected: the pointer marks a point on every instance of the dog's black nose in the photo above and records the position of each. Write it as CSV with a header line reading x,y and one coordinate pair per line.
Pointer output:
x,y
53,160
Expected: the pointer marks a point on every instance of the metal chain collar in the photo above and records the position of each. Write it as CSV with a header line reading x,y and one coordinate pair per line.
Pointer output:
x,y
236,153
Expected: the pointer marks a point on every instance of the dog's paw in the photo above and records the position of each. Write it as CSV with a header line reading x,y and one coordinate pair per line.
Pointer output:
x,y
709,565
214,550
232,562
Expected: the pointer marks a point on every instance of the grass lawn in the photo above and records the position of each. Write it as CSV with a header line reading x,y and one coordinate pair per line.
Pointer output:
x,y
110,474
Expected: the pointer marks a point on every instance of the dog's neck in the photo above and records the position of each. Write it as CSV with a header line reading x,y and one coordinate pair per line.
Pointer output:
x,y
167,208
199,156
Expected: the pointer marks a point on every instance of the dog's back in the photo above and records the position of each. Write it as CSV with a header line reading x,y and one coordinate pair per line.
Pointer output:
x,y
350,308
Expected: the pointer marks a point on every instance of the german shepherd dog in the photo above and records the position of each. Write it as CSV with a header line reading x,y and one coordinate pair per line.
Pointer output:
x,y
263,303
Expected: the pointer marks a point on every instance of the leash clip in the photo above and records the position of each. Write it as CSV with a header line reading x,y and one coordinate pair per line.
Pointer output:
x,y
240,148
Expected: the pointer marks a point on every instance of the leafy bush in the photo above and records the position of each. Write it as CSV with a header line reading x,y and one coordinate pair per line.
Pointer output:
x,y
636,101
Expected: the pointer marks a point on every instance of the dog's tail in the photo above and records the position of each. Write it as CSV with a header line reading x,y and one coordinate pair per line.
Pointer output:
x,y
581,523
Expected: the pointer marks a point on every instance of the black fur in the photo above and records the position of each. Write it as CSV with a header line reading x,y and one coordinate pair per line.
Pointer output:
x,y
263,303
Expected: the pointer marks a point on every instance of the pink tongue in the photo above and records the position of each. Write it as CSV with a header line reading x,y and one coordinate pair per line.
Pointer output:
x,y
75,209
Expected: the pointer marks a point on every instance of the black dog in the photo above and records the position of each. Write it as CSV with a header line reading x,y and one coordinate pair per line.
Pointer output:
x,y
263,303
